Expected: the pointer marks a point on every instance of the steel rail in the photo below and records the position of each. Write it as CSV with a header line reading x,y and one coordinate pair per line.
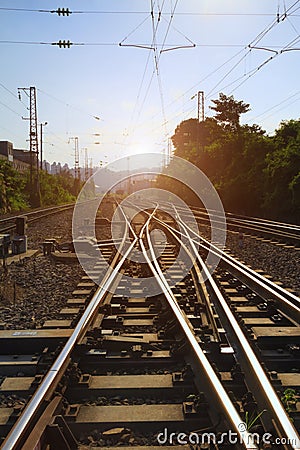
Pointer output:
x,y
36,217
259,220
246,439
271,398
252,226
291,301
16,435
38,213
275,405
289,231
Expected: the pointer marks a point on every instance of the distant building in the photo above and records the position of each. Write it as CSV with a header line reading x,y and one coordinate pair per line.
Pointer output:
x,y
55,168
20,159
46,166
6,151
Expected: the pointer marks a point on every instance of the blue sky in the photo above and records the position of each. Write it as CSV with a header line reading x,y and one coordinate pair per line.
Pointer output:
x,y
139,107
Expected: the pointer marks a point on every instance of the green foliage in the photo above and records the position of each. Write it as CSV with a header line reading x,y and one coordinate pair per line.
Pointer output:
x,y
16,193
12,196
251,419
228,111
254,173
56,189
289,399
283,171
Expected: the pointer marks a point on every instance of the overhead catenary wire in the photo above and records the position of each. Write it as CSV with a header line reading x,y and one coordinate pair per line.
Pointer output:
x,y
255,40
13,94
115,44
278,104
10,109
252,45
284,17
154,47
67,104
179,13
154,31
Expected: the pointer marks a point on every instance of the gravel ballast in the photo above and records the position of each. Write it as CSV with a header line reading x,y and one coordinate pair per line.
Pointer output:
x,y
36,289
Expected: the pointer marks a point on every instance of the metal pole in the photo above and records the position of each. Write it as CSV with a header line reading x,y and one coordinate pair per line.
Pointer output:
x,y
200,106
41,144
41,147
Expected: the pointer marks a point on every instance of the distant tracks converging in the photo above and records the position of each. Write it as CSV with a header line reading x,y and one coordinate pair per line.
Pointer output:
x,y
7,224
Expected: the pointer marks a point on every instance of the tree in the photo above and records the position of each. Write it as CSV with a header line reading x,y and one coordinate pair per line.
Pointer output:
x,y
12,197
283,171
185,138
56,189
228,111
254,173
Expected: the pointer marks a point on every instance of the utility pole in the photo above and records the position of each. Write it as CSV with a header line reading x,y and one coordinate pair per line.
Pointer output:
x,y
169,150
35,194
86,165
41,144
76,156
200,113
200,105
76,166
91,167
128,175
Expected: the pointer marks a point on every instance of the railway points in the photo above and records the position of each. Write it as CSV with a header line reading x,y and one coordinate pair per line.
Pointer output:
x,y
189,365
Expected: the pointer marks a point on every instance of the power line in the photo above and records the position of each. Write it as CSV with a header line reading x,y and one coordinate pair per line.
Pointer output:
x,y
188,92
67,104
146,67
278,104
179,13
10,109
12,93
115,44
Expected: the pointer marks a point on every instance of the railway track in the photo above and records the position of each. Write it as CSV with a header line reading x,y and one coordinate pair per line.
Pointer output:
x,y
8,224
268,230
160,353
